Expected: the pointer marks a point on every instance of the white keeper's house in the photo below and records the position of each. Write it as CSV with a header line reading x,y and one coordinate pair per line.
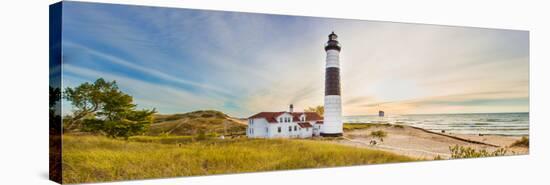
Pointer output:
x,y
286,124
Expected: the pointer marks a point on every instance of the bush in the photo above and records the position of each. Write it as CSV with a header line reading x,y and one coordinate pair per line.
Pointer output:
x,y
523,142
460,152
379,134
398,126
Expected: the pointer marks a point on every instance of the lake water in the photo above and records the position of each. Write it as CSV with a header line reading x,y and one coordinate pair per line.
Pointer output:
x,y
516,124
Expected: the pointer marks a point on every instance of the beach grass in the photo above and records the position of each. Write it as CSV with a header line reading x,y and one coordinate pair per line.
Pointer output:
x,y
523,142
99,159
356,126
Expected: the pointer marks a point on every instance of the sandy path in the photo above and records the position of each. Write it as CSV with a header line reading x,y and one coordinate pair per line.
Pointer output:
x,y
408,151
238,120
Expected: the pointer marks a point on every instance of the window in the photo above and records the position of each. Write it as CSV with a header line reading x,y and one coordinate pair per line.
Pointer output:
x,y
280,120
307,129
251,122
295,128
279,129
290,128
266,129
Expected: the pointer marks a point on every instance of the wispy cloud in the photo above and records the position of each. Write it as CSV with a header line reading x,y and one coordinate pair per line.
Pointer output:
x,y
241,63
147,95
147,71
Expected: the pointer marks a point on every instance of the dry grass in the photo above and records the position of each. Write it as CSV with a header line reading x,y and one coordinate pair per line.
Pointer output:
x,y
99,159
355,126
523,142
193,123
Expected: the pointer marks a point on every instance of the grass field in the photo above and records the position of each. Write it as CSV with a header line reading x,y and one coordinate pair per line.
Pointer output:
x,y
98,159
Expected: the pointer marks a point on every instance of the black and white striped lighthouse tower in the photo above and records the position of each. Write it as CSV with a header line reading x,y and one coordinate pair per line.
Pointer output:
x,y
332,124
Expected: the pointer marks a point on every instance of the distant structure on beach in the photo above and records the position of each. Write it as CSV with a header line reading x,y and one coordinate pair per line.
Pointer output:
x,y
307,124
380,113
285,124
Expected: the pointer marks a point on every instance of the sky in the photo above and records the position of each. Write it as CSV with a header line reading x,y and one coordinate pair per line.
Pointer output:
x,y
181,60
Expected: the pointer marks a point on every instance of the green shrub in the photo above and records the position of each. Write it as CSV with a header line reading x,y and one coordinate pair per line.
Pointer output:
x,y
380,134
459,152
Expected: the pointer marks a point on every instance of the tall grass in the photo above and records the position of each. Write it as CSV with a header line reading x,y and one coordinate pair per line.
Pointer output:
x,y
460,152
523,142
98,159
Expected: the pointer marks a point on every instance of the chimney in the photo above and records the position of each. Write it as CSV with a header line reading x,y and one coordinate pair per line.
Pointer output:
x,y
291,109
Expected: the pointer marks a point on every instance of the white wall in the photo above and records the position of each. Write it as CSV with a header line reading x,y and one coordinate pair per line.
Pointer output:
x,y
259,126
333,115
306,132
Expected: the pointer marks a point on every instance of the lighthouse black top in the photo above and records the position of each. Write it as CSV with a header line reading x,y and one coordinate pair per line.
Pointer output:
x,y
332,75
332,42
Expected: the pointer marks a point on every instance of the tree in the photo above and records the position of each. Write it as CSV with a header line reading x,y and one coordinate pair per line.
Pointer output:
x,y
86,99
318,109
55,117
102,108
131,123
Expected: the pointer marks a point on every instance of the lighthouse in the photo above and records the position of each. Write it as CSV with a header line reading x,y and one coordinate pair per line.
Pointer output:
x,y
332,122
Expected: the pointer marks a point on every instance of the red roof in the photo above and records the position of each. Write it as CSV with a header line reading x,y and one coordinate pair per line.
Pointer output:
x,y
305,124
271,117
319,122
311,116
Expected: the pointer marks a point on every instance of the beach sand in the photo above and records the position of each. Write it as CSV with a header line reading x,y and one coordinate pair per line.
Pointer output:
x,y
423,144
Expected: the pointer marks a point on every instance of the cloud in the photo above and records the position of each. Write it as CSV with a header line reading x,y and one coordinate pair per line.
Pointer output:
x,y
244,63
147,95
147,71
